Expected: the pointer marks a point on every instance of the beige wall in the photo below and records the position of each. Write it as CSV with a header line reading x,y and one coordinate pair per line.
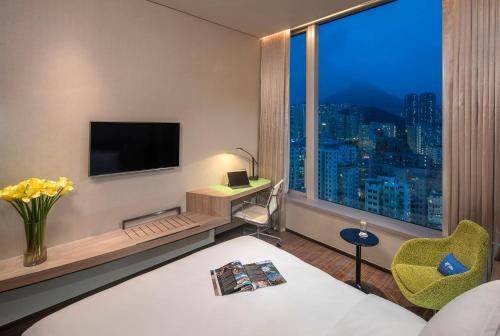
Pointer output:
x,y
325,228
64,63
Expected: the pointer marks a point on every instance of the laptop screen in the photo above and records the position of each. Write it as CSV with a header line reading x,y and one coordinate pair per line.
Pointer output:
x,y
238,178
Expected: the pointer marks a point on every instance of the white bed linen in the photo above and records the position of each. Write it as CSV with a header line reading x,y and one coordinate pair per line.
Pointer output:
x,y
376,316
178,299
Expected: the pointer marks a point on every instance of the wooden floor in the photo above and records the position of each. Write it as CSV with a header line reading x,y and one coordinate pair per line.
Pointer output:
x,y
341,267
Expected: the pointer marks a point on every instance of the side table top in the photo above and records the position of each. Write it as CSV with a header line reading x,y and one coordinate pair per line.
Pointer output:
x,y
352,236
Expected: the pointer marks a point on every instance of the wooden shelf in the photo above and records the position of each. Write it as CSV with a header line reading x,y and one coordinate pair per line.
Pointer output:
x,y
93,251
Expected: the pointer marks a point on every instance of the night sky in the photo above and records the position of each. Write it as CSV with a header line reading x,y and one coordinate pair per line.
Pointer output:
x,y
396,48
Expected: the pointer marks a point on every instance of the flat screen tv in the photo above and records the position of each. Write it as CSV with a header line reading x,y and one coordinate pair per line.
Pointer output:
x,y
124,147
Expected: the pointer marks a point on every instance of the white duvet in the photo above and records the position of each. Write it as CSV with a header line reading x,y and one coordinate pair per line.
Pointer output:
x,y
178,299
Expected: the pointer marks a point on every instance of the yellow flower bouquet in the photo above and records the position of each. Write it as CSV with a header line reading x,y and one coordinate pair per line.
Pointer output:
x,y
33,198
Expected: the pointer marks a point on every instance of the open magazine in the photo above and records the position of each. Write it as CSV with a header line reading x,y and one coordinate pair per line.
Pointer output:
x,y
236,277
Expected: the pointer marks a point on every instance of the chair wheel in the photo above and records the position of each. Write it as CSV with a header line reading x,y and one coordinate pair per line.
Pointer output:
x,y
278,244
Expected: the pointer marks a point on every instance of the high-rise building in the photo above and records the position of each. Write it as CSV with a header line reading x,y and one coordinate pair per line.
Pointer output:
x,y
347,123
353,122
297,160
415,138
427,110
419,193
422,117
373,195
297,122
326,118
435,210
411,109
328,160
338,174
368,133
386,129
435,153
396,200
367,138
347,185
388,196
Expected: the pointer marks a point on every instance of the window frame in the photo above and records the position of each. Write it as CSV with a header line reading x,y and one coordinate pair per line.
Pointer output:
x,y
310,196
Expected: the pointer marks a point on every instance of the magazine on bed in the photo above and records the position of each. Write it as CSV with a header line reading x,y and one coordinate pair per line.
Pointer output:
x,y
236,277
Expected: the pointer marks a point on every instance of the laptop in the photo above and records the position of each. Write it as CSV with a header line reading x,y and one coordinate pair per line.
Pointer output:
x,y
238,179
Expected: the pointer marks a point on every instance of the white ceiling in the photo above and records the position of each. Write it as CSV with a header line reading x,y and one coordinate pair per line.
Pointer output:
x,y
259,17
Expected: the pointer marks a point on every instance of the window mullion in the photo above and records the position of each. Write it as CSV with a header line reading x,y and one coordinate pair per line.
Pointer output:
x,y
311,112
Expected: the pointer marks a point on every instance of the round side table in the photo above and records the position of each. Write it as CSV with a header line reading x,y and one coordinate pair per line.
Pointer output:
x,y
352,236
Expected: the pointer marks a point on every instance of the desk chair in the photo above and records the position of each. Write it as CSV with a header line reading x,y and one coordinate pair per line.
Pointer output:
x,y
260,215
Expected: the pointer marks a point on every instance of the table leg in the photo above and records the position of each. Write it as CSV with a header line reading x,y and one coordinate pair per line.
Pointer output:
x,y
357,283
358,267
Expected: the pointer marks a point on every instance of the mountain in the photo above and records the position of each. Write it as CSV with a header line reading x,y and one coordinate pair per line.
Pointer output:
x,y
365,94
373,114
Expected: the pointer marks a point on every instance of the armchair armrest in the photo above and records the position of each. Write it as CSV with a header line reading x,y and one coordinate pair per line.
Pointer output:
x,y
422,251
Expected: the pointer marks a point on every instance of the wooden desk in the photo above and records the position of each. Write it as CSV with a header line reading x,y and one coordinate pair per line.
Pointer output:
x,y
216,200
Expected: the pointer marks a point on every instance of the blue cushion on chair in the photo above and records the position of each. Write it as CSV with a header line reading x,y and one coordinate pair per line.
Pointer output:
x,y
450,266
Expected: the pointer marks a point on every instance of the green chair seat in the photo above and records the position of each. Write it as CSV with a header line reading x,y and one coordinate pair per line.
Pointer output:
x,y
414,266
416,277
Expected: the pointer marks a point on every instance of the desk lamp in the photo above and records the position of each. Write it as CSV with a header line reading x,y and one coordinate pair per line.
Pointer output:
x,y
254,162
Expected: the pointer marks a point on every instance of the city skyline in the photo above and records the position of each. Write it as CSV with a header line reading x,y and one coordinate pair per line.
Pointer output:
x,y
388,168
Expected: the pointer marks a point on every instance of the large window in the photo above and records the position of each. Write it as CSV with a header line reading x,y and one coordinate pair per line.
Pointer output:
x,y
379,111
297,111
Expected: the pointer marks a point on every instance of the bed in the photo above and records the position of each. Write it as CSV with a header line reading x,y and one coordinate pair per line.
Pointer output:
x,y
178,299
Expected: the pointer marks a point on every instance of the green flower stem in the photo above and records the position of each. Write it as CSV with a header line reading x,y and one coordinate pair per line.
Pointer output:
x,y
19,211
34,215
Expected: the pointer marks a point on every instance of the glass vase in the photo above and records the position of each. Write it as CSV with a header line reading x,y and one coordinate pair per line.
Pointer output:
x,y
36,251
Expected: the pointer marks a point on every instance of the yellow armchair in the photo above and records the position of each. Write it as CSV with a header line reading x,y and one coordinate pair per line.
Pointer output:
x,y
414,266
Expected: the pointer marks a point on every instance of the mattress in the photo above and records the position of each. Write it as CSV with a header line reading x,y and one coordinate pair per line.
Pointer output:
x,y
178,299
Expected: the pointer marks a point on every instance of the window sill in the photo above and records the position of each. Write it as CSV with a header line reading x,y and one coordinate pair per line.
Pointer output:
x,y
354,215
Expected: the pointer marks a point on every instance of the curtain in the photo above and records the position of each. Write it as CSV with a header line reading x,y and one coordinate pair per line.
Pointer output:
x,y
274,106
471,112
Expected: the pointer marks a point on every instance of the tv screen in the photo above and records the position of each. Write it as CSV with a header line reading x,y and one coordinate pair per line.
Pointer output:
x,y
121,147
